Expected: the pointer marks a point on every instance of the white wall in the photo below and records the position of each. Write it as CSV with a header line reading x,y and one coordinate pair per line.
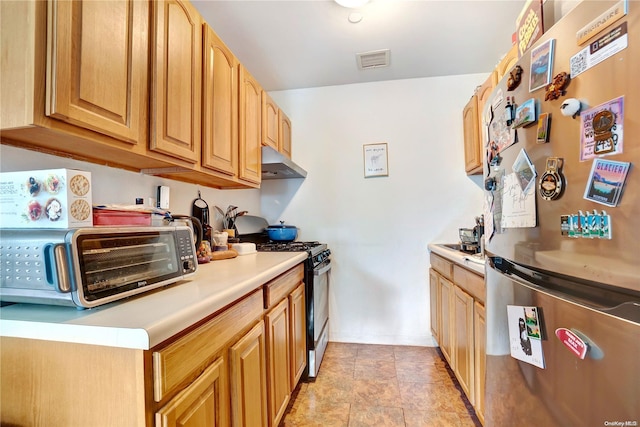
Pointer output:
x,y
378,228
116,186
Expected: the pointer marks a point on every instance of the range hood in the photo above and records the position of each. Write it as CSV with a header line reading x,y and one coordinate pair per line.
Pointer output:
x,y
277,166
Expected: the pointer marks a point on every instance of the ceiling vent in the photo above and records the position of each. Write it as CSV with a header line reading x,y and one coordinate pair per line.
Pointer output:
x,y
375,59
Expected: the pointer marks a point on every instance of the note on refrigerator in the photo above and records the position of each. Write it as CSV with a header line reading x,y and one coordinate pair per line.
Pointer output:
x,y
518,207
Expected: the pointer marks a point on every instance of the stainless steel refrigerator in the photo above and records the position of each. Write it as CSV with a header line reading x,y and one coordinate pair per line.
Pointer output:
x,y
567,253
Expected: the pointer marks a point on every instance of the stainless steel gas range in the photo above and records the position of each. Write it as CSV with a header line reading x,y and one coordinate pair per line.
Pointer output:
x,y
317,268
316,279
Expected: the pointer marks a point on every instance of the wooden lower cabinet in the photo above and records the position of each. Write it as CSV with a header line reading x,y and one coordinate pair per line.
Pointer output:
x,y
434,304
298,334
203,403
249,379
463,345
278,347
457,309
234,368
446,297
480,348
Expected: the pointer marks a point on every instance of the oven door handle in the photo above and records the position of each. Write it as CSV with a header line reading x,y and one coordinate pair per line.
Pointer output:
x,y
321,271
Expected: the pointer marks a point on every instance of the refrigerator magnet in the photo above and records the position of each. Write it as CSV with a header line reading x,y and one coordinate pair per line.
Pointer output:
x,y
525,114
557,87
606,181
541,65
573,342
515,76
551,183
544,127
601,129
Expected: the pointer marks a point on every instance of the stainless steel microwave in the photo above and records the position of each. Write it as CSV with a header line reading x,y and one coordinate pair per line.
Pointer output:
x,y
87,267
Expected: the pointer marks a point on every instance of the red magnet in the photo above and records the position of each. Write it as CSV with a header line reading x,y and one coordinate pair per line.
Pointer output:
x,y
573,342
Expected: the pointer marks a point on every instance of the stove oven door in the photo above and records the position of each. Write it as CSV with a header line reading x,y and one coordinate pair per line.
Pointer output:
x,y
320,325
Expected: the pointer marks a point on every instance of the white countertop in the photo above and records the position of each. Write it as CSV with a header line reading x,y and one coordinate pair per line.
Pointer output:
x,y
148,319
472,262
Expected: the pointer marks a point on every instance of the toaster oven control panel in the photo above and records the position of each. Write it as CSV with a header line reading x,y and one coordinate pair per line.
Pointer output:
x,y
186,251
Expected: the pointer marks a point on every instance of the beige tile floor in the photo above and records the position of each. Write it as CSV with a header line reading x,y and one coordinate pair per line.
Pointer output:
x,y
382,386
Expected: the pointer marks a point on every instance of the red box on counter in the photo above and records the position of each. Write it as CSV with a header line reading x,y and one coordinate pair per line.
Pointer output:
x,y
115,217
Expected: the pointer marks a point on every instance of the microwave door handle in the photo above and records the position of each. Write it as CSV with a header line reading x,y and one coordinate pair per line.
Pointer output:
x,y
57,269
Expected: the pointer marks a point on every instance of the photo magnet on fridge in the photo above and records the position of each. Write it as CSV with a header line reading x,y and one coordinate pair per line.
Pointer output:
x,y
525,334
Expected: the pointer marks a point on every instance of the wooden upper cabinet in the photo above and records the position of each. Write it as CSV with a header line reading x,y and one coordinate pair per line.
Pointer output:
x,y
250,125
507,63
269,121
176,80
98,61
220,106
483,93
472,149
284,134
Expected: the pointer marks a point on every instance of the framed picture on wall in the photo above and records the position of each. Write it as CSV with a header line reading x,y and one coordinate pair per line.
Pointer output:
x,y
375,160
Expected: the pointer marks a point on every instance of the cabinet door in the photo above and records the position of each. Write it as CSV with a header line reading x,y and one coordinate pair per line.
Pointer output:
x,y
284,134
203,404
463,341
269,121
480,343
483,93
472,149
249,380
250,123
446,333
298,334
98,62
220,106
176,94
278,345
507,63
434,305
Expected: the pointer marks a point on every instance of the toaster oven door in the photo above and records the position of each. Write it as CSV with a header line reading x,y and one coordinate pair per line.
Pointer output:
x,y
114,264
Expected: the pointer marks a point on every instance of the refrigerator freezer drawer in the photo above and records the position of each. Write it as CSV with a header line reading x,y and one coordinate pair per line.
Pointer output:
x,y
603,387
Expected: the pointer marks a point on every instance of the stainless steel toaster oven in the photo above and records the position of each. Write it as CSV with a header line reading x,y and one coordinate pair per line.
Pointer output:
x,y
87,267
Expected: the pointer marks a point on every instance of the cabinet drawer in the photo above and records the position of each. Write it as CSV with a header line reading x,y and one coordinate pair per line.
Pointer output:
x,y
442,266
470,282
281,286
184,359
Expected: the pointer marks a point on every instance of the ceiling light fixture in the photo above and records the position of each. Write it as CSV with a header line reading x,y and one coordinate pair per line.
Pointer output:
x,y
352,4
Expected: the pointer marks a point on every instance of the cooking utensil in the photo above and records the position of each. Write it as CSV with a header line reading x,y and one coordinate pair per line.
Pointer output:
x,y
282,232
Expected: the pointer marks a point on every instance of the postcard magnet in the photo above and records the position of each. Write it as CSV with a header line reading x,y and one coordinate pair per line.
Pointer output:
x,y
544,127
606,181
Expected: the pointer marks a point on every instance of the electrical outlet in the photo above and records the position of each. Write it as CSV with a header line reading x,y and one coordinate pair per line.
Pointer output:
x,y
163,197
